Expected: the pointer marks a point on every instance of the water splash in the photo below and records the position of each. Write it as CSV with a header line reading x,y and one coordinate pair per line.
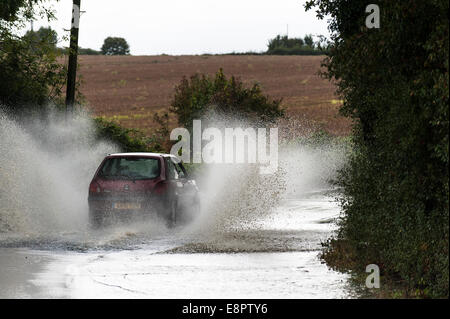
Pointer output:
x,y
238,201
46,164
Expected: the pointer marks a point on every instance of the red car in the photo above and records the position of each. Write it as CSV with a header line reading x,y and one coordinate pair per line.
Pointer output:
x,y
130,184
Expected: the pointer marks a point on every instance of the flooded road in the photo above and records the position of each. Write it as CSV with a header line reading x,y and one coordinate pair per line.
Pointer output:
x,y
275,258
257,236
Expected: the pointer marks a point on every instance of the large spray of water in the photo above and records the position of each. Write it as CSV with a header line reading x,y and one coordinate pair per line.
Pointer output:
x,y
47,162
237,199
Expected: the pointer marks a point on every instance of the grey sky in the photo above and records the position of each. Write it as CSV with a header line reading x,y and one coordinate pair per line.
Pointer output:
x,y
187,27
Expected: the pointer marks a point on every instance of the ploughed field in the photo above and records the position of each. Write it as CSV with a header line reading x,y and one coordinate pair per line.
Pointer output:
x,y
130,89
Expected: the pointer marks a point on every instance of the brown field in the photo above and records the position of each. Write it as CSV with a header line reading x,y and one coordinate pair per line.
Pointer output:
x,y
130,89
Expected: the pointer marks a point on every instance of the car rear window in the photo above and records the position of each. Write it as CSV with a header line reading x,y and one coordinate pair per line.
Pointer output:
x,y
135,168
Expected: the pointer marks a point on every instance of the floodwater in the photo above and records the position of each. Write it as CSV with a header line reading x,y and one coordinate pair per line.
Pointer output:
x,y
276,259
256,236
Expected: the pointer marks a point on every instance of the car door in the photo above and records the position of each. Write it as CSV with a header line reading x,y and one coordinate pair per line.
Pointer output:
x,y
177,180
189,186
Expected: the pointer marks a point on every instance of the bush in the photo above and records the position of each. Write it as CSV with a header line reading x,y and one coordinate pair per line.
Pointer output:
x,y
294,51
83,51
129,140
394,83
201,94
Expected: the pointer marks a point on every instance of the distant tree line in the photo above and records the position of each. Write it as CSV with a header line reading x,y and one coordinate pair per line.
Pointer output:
x,y
280,45
87,51
283,45
111,45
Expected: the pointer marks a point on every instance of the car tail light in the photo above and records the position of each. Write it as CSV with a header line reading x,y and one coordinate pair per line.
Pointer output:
x,y
161,188
94,188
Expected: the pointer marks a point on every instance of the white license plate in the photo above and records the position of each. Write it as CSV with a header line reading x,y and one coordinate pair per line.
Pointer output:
x,y
126,205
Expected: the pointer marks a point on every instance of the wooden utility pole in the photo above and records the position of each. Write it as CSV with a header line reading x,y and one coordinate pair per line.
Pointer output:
x,y
73,54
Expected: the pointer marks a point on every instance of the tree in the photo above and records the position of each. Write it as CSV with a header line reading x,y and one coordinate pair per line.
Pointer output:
x,y
394,82
30,74
115,46
284,42
9,9
308,39
283,45
42,35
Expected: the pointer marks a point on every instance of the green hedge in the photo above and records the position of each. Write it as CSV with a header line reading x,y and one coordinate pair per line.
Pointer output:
x,y
394,82
295,51
129,140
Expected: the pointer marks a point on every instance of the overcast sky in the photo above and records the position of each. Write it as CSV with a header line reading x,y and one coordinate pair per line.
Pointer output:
x,y
187,26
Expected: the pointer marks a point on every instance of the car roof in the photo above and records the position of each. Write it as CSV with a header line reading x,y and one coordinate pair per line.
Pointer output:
x,y
140,154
